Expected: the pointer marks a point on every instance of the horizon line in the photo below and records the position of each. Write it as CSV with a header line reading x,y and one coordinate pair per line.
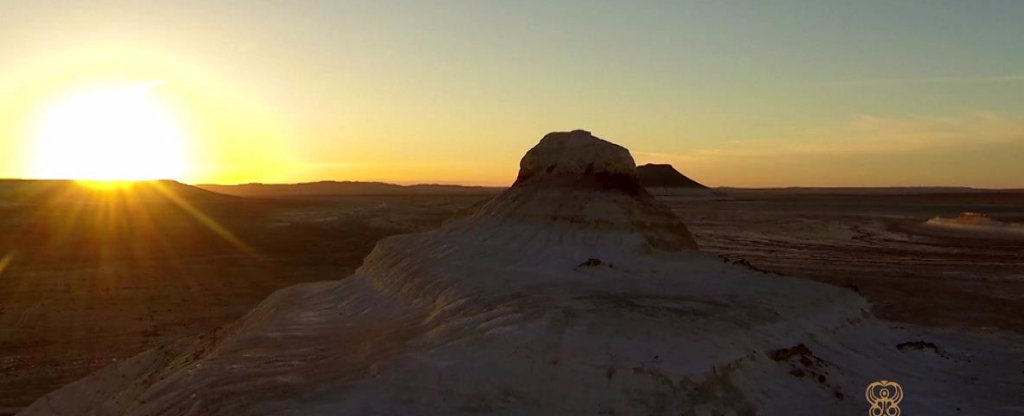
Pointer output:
x,y
462,185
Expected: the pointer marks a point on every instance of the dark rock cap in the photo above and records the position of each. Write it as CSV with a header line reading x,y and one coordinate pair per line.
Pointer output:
x,y
654,175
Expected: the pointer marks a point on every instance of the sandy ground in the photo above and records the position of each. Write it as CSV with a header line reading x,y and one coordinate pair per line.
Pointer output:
x,y
877,246
68,308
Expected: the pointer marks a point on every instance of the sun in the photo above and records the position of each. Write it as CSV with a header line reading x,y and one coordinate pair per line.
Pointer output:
x,y
121,133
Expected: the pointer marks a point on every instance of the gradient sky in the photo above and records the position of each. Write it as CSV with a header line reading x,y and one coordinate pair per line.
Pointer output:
x,y
754,93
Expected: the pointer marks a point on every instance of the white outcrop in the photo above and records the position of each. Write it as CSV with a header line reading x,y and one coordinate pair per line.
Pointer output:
x,y
574,292
575,154
972,224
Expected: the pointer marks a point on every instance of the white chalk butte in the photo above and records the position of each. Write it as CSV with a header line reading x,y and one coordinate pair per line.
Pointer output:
x,y
572,293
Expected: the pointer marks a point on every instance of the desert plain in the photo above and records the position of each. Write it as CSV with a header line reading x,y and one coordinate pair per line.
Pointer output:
x,y
91,277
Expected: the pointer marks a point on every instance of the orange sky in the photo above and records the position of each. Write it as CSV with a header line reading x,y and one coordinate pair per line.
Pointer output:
x,y
732,95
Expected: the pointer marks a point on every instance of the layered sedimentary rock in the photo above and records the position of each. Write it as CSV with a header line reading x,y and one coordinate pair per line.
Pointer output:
x,y
573,292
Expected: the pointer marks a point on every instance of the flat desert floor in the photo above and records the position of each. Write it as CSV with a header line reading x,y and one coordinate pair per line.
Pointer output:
x,y
79,292
878,246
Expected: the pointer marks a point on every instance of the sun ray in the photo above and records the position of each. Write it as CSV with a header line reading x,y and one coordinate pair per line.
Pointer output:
x,y
5,262
205,220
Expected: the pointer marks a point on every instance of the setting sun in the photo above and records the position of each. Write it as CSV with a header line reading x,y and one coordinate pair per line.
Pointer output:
x,y
110,134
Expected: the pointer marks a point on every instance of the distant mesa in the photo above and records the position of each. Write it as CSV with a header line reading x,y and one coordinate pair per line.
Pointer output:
x,y
664,180
656,175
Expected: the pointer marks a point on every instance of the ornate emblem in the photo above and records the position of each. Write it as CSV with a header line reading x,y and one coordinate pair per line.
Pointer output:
x,y
884,397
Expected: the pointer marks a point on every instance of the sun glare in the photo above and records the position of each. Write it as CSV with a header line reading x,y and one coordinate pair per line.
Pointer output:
x,y
113,134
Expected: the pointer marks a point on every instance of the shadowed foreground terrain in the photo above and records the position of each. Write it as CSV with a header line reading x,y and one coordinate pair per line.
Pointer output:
x,y
90,278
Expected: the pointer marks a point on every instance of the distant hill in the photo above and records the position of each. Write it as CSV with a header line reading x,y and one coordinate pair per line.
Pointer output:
x,y
653,175
328,188
881,190
35,191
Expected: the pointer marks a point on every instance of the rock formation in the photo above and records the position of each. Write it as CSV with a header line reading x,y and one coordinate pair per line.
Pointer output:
x,y
973,224
573,292
653,175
